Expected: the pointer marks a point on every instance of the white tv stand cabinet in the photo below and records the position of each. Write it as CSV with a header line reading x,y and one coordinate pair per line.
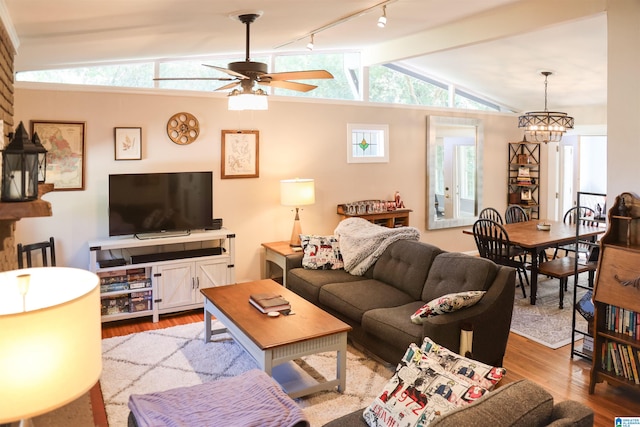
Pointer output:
x,y
161,275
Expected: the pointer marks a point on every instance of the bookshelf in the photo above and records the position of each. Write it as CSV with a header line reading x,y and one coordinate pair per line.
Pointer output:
x,y
616,350
523,187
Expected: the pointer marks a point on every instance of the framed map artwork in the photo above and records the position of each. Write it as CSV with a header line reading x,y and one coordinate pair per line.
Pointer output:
x,y
240,150
64,142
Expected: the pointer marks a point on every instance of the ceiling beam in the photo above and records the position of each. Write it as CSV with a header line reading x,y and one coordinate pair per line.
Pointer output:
x,y
510,20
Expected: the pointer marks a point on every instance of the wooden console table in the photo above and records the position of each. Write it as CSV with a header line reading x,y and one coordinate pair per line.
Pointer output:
x,y
10,212
391,219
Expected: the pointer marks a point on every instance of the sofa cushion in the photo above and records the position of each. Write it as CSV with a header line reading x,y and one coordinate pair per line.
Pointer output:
x,y
307,283
353,299
446,304
405,265
521,403
392,325
321,252
457,272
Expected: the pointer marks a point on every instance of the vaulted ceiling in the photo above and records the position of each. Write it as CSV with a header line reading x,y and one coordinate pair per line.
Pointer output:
x,y
495,48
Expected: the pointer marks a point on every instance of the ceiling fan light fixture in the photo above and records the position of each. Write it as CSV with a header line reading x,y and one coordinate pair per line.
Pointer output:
x,y
252,100
382,21
545,126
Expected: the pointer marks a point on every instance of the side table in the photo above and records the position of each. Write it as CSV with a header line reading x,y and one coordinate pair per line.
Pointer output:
x,y
277,253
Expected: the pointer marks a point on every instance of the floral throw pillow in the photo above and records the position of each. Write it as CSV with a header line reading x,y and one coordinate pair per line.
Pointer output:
x,y
446,304
321,252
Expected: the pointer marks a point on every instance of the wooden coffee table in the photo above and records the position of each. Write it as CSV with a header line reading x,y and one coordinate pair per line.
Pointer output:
x,y
274,342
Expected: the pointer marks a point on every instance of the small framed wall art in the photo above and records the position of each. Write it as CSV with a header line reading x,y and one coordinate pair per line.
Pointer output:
x,y
240,154
64,142
128,143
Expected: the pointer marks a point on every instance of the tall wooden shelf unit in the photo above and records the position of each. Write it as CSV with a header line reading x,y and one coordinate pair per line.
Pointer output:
x,y
524,176
617,287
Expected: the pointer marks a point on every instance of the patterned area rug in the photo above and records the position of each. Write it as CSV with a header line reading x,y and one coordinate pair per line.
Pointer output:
x,y
545,322
176,357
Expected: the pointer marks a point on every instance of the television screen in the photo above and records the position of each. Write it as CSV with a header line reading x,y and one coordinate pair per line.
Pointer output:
x,y
159,202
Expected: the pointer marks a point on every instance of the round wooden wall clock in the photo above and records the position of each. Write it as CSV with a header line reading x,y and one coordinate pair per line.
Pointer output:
x,y
183,128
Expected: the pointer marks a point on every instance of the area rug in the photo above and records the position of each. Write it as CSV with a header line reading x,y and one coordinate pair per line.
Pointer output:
x,y
545,322
161,359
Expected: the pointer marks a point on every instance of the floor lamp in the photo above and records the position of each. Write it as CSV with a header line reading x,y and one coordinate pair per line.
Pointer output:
x,y
50,340
297,192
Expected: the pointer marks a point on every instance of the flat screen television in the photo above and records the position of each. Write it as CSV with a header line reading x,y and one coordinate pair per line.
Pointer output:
x,y
149,203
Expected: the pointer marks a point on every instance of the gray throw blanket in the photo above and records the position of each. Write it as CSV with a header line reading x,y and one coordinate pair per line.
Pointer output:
x,y
362,243
250,399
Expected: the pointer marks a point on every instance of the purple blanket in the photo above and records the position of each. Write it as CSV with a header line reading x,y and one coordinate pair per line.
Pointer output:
x,y
250,399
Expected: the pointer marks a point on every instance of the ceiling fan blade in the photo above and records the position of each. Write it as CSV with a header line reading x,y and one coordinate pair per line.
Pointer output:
x,y
195,78
227,86
283,84
299,75
228,71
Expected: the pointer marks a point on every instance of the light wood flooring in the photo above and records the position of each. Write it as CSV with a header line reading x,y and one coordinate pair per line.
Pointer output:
x,y
564,377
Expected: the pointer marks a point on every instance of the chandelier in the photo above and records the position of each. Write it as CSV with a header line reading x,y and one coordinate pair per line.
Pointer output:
x,y
545,126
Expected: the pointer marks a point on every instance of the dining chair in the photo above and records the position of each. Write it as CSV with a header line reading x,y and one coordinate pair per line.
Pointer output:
x,y
492,214
515,213
565,267
492,241
585,216
46,249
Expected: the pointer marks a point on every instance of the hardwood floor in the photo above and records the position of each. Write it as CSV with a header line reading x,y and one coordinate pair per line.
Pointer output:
x,y
563,377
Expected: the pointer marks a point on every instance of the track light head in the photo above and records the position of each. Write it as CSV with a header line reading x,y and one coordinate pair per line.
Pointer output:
x,y
382,21
310,44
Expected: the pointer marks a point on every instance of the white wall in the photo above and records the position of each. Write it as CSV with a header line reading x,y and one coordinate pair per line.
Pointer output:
x,y
623,148
297,139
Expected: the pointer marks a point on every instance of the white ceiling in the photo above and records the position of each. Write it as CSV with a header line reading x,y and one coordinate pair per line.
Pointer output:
x,y
495,48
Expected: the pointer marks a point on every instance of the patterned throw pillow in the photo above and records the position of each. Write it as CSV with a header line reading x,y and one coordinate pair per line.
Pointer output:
x,y
446,304
321,252
419,392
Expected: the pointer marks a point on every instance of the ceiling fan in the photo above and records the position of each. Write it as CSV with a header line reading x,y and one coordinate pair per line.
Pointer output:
x,y
246,73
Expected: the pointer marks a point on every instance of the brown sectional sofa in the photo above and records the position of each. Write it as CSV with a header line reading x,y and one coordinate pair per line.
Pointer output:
x,y
379,304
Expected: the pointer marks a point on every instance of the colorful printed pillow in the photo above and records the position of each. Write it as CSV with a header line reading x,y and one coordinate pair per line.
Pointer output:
x,y
472,371
419,392
321,252
446,304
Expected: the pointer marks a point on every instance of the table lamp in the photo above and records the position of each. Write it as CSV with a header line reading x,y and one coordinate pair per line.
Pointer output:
x,y
50,339
297,192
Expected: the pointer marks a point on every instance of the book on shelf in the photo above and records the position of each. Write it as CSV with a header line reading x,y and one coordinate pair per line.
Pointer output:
x,y
269,301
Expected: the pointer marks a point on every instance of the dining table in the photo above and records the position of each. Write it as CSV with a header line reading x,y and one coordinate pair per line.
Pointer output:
x,y
526,235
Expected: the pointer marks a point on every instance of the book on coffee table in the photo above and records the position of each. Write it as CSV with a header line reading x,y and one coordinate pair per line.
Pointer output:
x,y
269,301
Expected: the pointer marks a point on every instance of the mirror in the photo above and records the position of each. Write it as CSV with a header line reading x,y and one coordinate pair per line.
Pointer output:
x,y
454,171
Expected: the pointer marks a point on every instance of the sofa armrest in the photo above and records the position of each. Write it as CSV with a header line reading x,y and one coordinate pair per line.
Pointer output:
x,y
571,413
490,319
294,261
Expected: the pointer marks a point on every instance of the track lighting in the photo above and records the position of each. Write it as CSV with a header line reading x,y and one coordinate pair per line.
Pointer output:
x,y
382,21
310,44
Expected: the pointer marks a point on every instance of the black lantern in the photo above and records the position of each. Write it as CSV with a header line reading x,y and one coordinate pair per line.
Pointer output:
x,y
42,157
19,168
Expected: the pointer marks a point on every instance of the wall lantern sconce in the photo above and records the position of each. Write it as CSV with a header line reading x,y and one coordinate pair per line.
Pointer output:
x,y
42,158
19,168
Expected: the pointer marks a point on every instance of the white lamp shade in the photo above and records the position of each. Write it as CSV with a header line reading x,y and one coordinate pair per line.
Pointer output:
x,y
297,192
50,342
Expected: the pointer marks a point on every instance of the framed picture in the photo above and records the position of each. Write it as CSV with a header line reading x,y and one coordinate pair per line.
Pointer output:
x,y
240,153
64,142
525,194
128,143
367,143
